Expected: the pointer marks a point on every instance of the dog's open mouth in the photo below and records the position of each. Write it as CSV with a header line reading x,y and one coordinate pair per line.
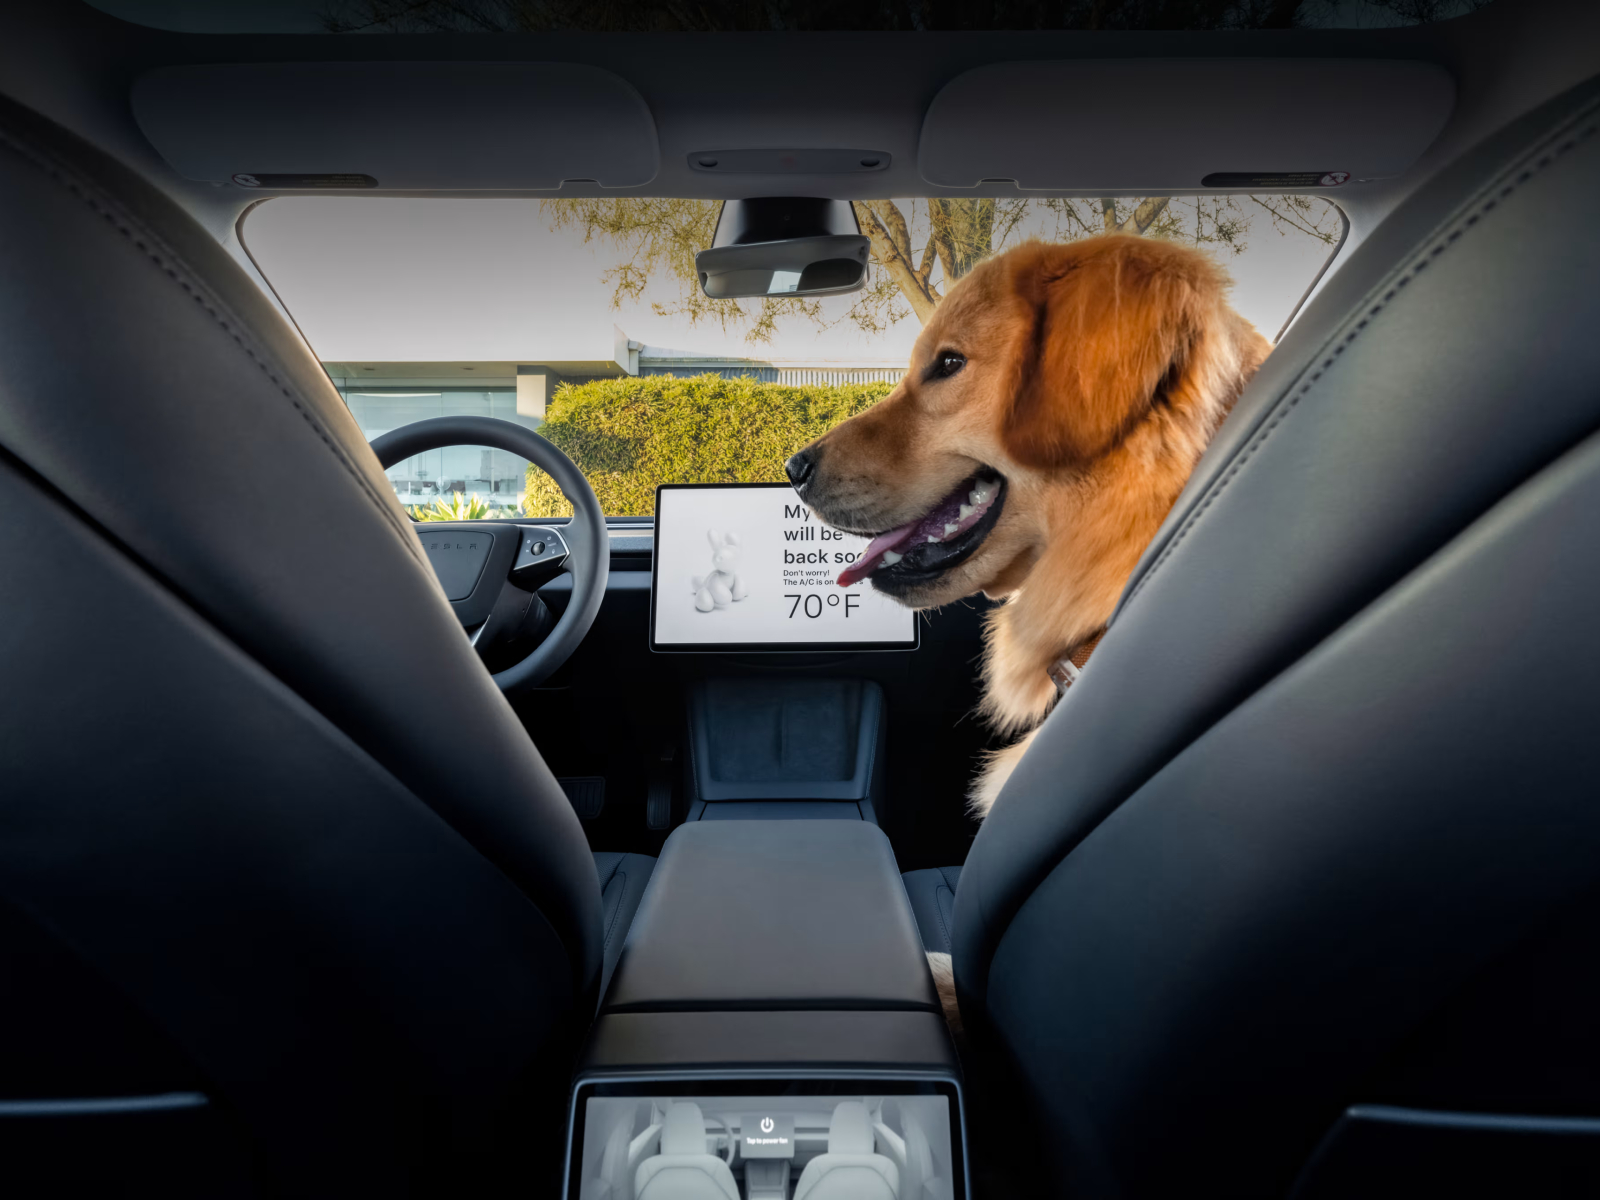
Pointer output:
x,y
923,549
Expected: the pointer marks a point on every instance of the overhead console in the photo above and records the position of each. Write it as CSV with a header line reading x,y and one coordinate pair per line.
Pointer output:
x,y
1181,125
772,1031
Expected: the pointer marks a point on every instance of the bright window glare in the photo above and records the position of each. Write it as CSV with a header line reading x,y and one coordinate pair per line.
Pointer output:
x,y
573,316
392,279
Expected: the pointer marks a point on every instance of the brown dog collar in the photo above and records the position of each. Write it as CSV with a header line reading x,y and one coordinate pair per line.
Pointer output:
x,y
1068,667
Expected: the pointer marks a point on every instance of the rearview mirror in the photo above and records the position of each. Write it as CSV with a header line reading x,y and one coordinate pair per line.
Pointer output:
x,y
784,246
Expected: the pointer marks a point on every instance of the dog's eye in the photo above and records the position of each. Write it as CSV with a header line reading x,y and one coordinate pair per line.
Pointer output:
x,y
946,363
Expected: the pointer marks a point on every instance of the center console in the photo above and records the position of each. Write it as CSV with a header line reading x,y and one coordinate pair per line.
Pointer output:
x,y
772,1030
747,570
771,748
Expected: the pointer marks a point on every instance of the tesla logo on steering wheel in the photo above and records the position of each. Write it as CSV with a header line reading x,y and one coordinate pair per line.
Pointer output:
x,y
767,1125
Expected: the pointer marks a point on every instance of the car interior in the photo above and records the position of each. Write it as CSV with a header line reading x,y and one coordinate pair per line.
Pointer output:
x,y
857,1146
351,849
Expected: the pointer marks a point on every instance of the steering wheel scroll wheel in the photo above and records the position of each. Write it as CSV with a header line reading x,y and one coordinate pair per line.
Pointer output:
x,y
491,570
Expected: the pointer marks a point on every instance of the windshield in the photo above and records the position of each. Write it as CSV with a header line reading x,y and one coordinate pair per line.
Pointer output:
x,y
584,319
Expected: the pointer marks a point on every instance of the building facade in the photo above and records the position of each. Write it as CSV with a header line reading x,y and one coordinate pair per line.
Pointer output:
x,y
384,396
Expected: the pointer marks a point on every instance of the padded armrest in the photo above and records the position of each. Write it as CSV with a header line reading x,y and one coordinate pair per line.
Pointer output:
x,y
774,915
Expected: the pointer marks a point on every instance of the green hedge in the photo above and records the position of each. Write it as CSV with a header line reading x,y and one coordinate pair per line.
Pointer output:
x,y
627,435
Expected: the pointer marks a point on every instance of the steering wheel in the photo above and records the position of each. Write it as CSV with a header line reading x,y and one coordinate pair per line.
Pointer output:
x,y
728,1138
491,570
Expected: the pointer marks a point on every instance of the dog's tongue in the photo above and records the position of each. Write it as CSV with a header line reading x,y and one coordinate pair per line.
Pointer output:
x,y
872,556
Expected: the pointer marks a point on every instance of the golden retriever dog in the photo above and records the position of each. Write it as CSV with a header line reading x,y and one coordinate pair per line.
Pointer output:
x,y
1054,408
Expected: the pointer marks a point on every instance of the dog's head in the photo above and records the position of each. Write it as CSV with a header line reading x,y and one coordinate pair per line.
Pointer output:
x,y
1044,375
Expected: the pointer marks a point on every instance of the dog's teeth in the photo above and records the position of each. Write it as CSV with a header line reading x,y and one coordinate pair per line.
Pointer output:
x,y
890,558
931,538
980,495
965,511
951,527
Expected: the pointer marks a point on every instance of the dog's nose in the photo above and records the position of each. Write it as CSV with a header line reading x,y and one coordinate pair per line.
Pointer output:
x,y
799,467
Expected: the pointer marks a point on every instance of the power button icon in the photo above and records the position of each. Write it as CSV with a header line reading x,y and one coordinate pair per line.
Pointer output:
x,y
767,1125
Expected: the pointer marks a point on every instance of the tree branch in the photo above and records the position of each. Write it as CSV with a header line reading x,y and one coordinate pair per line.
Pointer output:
x,y
918,293
1293,221
925,268
894,224
939,238
1144,215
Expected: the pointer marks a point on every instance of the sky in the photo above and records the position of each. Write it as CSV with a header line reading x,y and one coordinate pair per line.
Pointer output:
x,y
390,279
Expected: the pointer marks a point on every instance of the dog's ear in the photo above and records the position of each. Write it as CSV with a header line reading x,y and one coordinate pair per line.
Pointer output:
x,y
1114,325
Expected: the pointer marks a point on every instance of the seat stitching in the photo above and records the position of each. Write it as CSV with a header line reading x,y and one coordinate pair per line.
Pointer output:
x,y
1281,410
872,754
622,898
124,223
938,911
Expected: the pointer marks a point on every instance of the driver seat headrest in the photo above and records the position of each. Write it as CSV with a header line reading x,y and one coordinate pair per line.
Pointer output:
x,y
850,1131
684,1130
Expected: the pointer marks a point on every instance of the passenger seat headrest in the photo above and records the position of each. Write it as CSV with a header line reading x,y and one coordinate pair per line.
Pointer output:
x,y
851,1129
684,1130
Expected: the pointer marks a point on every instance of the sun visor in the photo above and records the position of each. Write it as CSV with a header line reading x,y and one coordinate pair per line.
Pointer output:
x,y
1156,125
399,125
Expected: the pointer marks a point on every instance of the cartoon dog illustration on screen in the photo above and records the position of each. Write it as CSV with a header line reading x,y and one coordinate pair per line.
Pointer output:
x,y
723,586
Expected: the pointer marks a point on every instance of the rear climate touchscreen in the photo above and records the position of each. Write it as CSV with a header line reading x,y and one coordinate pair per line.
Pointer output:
x,y
764,1147
748,567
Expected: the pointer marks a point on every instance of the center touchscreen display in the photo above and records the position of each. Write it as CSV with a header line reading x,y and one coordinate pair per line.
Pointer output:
x,y
763,1147
748,567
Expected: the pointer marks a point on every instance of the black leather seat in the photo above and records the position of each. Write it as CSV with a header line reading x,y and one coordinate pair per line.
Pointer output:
x,y
286,893
932,892
622,881
1311,854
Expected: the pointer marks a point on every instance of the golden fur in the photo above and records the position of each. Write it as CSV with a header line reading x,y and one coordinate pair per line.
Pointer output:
x,y
1095,374
944,983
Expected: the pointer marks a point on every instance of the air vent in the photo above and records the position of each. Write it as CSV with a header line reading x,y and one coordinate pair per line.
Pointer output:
x,y
789,162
